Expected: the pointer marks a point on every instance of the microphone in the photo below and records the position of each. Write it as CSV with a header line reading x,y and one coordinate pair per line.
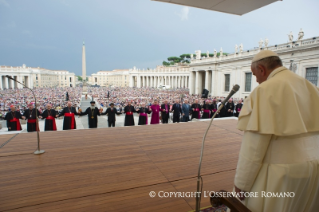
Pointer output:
x,y
10,77
232,92
199,177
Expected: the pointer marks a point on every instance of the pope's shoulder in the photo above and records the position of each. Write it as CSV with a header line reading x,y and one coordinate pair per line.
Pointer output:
x,y
279,80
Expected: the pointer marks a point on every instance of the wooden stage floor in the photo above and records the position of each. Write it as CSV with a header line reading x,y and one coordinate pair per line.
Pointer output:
x,y
116,169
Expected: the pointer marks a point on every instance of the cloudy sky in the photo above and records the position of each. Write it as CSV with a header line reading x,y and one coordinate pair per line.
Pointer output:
x,y
121,34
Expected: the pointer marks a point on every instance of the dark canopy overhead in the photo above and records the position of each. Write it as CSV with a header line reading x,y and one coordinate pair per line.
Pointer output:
x,y
237,7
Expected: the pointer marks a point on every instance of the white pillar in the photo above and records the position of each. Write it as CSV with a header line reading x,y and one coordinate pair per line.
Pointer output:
x,y
10,83
209,80
138,81
173,81
20,80
30,78
131,81
187,82
1,87
206,80
213,85
147,81
5,82
186,78
176,81
183,80
200,82
196,82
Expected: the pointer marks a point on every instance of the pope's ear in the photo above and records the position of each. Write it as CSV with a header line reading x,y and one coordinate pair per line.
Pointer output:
x,y
262,69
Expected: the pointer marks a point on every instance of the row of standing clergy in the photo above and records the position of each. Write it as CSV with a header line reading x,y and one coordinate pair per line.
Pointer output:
x,y
13,118
180,111
158,113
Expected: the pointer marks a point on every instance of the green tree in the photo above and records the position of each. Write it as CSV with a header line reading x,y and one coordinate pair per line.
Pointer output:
x,y
185,56
174,59
80,78
166,63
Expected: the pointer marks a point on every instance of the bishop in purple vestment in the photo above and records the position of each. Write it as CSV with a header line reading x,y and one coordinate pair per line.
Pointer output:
x,y
155,108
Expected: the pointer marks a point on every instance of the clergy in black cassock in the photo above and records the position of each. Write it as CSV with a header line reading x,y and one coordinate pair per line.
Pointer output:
x,y
238,107
69,119
92,113
49,115
143,118
111,111
12,117
222,112
230,107
177,111
196,110
129,118
29,114
214,109
165,112
206,110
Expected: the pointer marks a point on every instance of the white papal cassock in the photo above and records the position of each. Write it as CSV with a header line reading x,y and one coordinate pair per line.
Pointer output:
x,y
280,146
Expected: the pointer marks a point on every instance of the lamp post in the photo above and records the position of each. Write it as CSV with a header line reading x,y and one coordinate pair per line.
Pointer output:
x,y
38,151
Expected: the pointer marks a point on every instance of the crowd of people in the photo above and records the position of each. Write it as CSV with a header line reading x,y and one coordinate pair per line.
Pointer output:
x,y
21,98
161,104
121,96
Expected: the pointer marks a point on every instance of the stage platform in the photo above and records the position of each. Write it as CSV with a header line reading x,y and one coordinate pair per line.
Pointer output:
x,y
115,169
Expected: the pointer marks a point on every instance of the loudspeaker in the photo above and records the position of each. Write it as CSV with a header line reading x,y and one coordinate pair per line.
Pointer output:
x,y
205,93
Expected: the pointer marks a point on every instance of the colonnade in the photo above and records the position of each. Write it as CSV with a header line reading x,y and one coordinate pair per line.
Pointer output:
x,y
181,81
6,83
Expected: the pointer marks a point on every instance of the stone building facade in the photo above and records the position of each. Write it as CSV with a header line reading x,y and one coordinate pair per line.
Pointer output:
x,y
35,77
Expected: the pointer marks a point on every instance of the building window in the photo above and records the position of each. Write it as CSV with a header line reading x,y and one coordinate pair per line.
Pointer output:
x,y
227,82
312,75
248,82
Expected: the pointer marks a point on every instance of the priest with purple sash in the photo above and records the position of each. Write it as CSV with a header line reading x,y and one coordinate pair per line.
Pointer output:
x,y
155,109
143,111
206,109
196,110
238,107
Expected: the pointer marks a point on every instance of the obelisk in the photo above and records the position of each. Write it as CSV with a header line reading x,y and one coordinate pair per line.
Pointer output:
x,y
84,69
83,63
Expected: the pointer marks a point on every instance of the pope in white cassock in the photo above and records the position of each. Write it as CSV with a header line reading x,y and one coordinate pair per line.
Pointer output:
x,y
280,146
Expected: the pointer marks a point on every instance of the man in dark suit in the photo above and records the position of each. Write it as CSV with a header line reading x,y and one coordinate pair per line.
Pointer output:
x,y
165,112
177,111
111,111
186,108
